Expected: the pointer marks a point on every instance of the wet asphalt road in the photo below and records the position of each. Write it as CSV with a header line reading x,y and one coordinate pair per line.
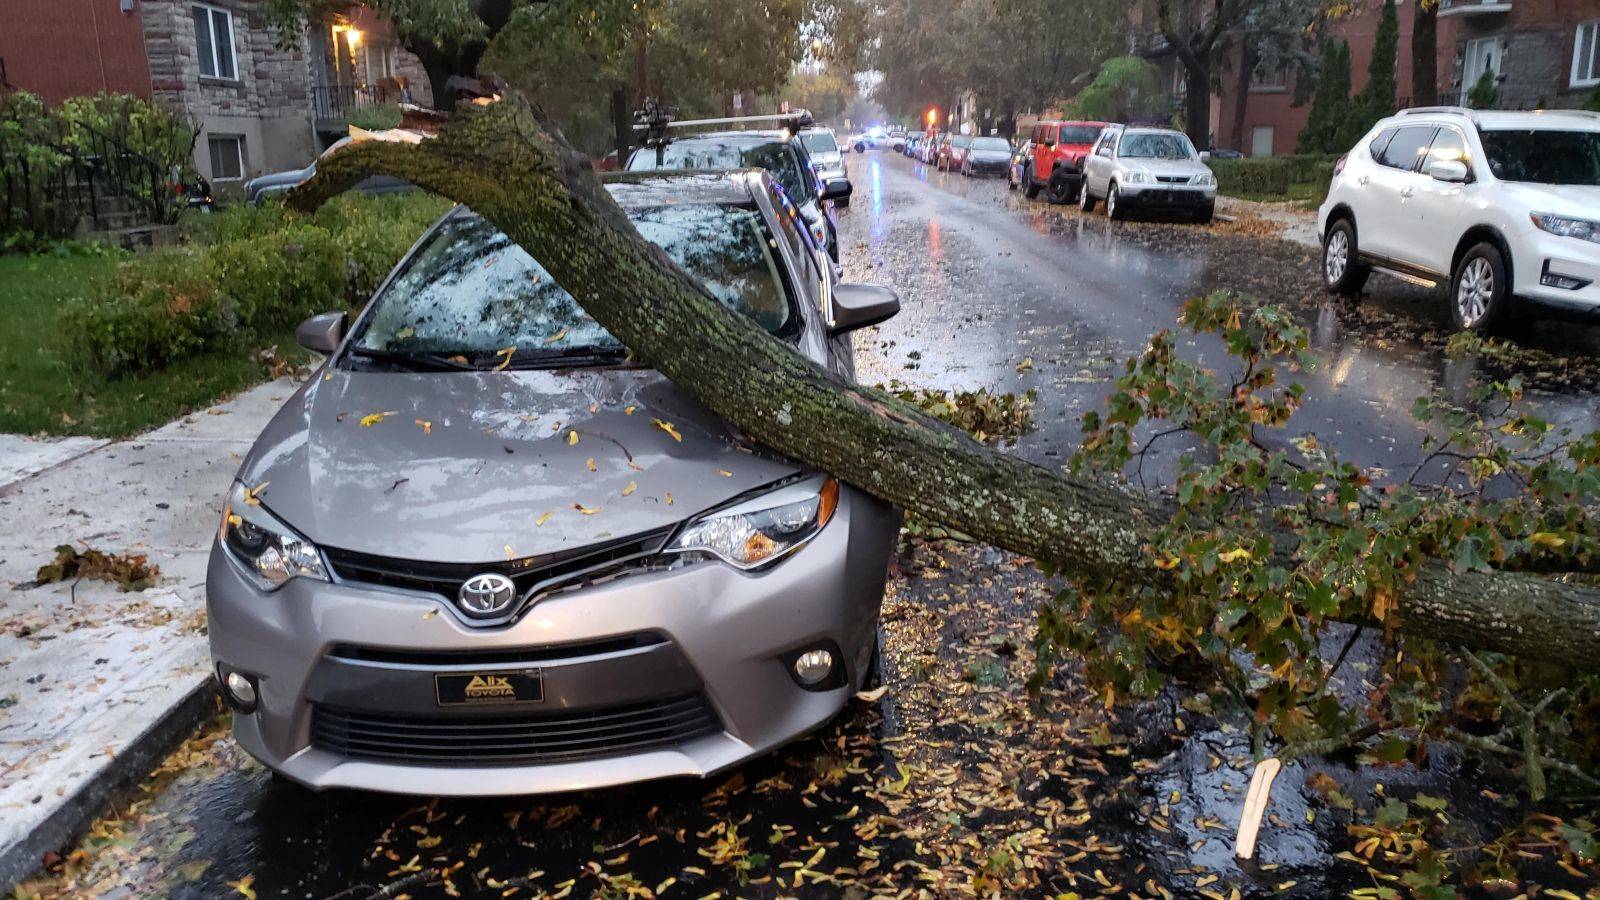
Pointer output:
x,y
987,279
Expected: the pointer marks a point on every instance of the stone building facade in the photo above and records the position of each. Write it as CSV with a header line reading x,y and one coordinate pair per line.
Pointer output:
x,y
256,107
1541,53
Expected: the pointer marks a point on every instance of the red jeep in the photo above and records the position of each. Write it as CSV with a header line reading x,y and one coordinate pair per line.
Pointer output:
x,y
1059,149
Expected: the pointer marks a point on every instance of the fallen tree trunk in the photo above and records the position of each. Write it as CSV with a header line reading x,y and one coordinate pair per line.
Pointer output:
x,y
514,168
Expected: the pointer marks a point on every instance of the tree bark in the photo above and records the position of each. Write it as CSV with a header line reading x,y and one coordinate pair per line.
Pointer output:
x,y
1241,97
514,168
1425,54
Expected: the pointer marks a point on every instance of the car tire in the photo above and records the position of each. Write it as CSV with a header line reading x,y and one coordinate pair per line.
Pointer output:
x,y
1060,189
1030,188
1343,272
872,676
1085,199
1480,290
1114,210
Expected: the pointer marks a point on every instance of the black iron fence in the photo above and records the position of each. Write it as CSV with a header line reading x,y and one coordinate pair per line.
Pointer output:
x,y
55,183
338,101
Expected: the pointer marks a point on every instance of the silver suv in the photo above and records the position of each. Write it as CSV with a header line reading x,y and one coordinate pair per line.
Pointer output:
x,y
1504,207
1150,169
483,552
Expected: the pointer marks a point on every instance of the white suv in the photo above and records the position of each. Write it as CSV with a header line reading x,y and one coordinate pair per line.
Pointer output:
x,y
1502,206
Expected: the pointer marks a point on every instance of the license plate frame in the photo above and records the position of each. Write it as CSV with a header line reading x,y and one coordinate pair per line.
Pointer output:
x,y
513,687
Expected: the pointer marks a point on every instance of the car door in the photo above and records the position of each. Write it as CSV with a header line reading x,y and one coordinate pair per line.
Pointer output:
x,y
1098,165
1388,229
1440,208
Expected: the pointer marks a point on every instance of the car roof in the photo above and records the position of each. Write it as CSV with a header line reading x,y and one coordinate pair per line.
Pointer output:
x,y
1074,122
677,187
1501,120
734,138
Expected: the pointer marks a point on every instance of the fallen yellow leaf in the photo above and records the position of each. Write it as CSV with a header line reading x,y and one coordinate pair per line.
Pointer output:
x,y
375,418
724,473
584,509
425,425
543,518
242,886
669,429
1234,555
1549,540
572,439
590,463
507,353
632,486
669,498
557,336
629,410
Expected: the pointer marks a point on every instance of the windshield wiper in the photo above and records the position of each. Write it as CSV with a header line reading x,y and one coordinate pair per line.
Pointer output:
x,y
425,362
568,357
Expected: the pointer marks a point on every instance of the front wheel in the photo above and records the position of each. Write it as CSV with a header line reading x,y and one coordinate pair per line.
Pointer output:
x,y
1481,290
1113,206
1342,270
1030,188
1085,199
1060,189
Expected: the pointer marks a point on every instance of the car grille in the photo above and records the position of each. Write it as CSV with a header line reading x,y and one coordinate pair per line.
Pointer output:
x,y
1173,179
528,739
506,656
445,579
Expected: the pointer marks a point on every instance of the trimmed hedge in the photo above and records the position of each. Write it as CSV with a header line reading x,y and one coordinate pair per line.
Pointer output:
x,y
246,272
1272,175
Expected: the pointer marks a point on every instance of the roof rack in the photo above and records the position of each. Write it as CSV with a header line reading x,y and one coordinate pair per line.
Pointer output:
x,y
1436,110
655,120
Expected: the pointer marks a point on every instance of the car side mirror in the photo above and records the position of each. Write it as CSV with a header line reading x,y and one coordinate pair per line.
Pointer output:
x,y
321,334
836,189
1450,171
860,305
1205,156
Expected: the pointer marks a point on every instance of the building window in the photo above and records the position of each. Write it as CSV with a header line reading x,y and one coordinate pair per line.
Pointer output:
x,y
1482,55
213,35
1274,81
1586,55
227,156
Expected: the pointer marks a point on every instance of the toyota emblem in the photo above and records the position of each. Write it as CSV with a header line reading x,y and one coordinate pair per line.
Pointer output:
x,y
487,594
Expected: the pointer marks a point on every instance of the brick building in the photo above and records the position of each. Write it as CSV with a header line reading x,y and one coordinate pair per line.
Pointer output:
x,y
1544,53
256,107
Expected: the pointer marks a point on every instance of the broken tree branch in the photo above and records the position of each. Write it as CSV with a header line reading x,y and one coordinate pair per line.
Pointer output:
x,y
514,168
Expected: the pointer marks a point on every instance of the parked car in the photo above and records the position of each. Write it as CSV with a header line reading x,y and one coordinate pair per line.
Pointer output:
x,y
953,151
913,144
780,152
1059,149
826,157
897,140
274,185
1155,169
930,150
986,156
1504,207
1021,159
429,607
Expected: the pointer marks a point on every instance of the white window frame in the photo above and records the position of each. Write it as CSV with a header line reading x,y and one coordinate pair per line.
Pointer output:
x,y
239,147
216,45
1580,79
1495,55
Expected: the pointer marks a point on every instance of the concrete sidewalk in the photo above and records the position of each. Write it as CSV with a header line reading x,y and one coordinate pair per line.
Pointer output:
x,y
95,684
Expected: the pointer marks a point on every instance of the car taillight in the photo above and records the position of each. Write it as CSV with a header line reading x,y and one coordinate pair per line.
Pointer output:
x,y
1338,165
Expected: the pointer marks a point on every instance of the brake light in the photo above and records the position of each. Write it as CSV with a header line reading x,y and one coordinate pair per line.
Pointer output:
x,y
1338,165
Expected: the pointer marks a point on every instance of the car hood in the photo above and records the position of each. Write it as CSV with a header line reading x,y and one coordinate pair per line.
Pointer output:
x,y
1168,167
1579,201
280,179
461,467
991,155
828,160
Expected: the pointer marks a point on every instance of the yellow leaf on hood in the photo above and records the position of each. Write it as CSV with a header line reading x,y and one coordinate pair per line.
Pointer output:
x,y
590,463
669,498
252,495
669,429
724,473
373,419
584,509
557,336
543,518
425,425
629,410
507,353
572,439
632,486
243,886
430,613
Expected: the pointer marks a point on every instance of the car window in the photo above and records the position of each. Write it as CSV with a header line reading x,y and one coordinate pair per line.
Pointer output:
x,y
1407,146
777,157
1544,157
471,290
819,142
1380,142
961,140
991,143
1079,134
1156,146
1449,146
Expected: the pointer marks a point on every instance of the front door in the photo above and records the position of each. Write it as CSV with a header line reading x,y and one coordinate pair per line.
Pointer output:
x,y
1483,55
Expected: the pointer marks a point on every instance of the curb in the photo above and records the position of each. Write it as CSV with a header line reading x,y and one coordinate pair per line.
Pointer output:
x,y
115,778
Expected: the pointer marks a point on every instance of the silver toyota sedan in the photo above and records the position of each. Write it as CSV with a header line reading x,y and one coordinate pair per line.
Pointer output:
x,y
482,551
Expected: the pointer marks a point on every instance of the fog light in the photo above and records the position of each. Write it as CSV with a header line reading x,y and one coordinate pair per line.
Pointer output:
x,y
1562,282
813,666
241,690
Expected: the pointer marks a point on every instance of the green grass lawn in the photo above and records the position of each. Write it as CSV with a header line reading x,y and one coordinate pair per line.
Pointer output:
x,y
1303,195
43,390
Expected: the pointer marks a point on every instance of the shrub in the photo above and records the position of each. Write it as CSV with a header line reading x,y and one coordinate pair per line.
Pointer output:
x,y
1272,175
277,279
159,308
235,223
1485,92
374,233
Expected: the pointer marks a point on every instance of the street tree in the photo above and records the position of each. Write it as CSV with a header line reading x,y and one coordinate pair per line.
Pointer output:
x,y
1126,88
1328,123
1194,32
1256,552
1380,96
1425,53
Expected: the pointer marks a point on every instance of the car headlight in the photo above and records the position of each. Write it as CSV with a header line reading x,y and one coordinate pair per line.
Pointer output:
x,y
1136,178
764,529
1565,226
1206,180
266,549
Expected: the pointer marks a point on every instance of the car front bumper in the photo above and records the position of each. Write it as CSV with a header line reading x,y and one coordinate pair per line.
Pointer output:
x,y
1167,196
661,673
1556,257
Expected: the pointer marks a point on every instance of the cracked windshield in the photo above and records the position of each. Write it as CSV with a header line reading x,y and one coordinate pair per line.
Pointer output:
x,y
774,449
